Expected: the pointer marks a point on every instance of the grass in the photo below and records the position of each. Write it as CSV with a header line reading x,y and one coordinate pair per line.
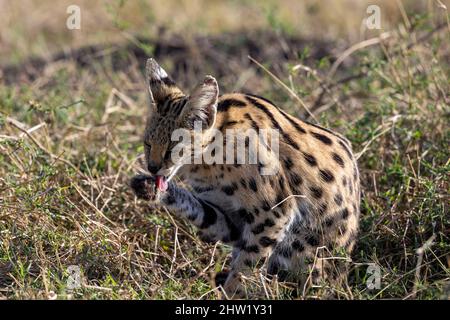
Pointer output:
x,y
71,139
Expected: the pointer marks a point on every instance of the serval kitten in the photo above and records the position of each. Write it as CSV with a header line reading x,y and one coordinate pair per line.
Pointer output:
x,y
290,221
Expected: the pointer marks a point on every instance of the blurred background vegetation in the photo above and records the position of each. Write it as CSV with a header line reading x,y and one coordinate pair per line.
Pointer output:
x,y
31,27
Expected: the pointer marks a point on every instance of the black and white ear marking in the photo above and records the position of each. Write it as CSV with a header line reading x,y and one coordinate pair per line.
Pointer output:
x,y
202,104
159,84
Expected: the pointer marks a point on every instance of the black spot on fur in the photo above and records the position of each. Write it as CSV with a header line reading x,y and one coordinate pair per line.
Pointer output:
x,y
312,240
253,248
344,213
259,228
229,190
289,140
326,175
288,163
265,205
316,192
199,189
269,222
281,182
286,116
210,215
322,138
297,245
275,123
234,231
252,184
344,181
252,122
293,122
295,179
170,200
329,222
225,105
278,200
266,241
259,97
247,216
338,159
322,128
243,183
338,199
226,125
310,159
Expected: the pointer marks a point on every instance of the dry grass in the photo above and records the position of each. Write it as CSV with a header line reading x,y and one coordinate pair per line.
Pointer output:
x,y
70,141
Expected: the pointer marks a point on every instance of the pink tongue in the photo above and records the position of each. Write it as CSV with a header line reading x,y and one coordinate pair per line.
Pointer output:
x,y
161,183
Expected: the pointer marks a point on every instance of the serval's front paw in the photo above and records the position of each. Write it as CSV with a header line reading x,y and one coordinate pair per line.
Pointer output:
x,y
145,187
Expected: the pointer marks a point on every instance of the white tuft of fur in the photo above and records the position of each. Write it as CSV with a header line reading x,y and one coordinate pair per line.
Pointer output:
x,y
154,70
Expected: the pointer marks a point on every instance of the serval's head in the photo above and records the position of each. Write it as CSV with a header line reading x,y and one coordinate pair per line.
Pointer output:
x,y
171,109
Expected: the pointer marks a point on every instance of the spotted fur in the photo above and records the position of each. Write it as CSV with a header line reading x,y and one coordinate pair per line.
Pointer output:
x,y
237,205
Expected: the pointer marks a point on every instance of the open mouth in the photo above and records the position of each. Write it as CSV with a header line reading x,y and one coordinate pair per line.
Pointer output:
x,y
161,183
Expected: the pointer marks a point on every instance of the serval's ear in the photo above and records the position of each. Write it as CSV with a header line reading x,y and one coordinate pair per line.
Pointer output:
x,y
160,86
202,105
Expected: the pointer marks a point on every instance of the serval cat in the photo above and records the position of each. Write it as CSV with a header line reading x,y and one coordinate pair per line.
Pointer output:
x,y
290,221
